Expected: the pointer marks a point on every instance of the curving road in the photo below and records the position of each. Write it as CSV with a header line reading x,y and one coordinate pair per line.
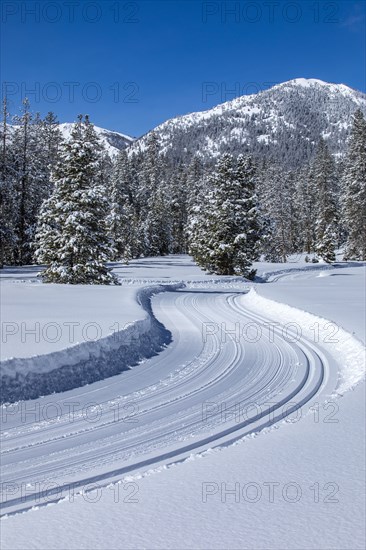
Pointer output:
x,y
207,388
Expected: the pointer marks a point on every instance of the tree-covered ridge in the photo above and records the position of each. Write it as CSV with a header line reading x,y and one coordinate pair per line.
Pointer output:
x,y
283,123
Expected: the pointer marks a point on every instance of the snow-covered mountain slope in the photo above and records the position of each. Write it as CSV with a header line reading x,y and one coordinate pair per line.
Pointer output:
x,y
284,122
112,141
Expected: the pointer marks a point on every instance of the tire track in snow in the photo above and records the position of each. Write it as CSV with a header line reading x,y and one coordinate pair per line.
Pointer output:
x,y
170,391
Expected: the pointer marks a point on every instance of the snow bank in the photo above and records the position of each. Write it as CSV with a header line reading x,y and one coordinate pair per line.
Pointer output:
x,y
226,282
347,351
38,319
273,276
32,377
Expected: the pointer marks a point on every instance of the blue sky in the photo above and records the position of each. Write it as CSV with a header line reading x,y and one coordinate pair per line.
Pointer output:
x,y
133,65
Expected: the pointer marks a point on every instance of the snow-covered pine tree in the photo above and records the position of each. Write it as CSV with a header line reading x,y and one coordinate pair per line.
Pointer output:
x,y
295,224
136,244
198,193
157,225
219,236
25,172
339,171
7,194
31,164
194,182
44,140
71,236
177,196
29,152
227,242
354,191
276,197
197,227
149,173
323,175
246,175
305,207
50,138
153,203
120,217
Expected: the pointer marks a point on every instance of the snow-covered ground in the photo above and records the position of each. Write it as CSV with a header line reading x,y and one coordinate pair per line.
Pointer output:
x,y
253,439
39,318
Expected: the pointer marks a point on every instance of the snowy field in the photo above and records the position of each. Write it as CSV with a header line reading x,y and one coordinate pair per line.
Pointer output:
x,y
240,425
66,315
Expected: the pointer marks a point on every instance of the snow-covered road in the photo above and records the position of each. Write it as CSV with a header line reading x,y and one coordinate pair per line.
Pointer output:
x,y
216,382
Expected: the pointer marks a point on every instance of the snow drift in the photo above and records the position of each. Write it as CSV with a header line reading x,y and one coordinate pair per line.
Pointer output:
x,y
347,352
29,378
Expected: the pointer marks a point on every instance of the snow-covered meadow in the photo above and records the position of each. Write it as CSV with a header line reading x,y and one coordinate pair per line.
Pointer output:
x,y
222,439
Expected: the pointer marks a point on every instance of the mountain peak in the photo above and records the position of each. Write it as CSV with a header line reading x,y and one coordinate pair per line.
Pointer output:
x,y
315,82
112,141
284,122
306,82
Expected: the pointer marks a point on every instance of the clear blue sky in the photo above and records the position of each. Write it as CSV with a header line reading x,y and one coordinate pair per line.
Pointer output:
x,y
133,65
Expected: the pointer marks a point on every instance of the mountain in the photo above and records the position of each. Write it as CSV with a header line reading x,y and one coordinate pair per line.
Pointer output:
x,y
113,141
284,122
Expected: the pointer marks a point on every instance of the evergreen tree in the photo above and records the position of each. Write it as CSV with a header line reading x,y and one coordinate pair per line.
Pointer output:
x,y
324,180
44,145
219,236
150,172
137,206
24,147
305,203
177,195
198,227
277,197
295,240
194,182
52,137
246,175
354,191
227,242
120,218
152,202
7,195
157,225
71,235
